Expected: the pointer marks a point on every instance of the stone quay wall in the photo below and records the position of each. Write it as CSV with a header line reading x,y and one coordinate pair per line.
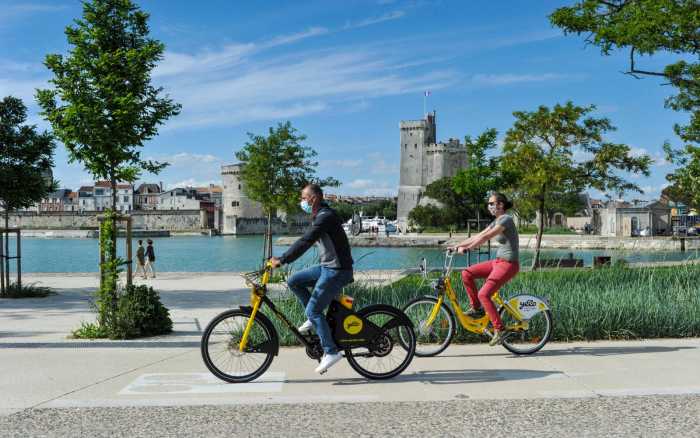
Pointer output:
x,y
170,220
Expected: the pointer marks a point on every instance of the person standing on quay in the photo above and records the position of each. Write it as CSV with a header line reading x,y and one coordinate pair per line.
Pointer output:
x,y
150,260
140,260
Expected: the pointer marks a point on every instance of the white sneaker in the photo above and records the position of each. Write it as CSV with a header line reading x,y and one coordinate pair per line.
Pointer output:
x,y
327,361
306,327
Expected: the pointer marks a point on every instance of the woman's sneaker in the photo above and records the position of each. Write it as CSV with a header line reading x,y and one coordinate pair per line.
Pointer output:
x,y
327,361
497,338
306,327
476,313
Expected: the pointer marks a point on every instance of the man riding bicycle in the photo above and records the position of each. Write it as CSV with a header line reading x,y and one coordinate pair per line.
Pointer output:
x,y
326,279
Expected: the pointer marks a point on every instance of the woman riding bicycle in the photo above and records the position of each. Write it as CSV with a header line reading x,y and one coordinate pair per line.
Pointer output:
x,y
497,271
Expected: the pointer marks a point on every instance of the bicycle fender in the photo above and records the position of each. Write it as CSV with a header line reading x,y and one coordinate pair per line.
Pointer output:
x,y
270,325
528,305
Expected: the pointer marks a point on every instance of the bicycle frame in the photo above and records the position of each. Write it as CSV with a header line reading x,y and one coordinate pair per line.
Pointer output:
x,y
258,297
474,325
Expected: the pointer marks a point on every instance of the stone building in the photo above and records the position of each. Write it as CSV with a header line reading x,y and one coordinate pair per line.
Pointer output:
x,y
423,161
625,220
242,215
146,196
236,204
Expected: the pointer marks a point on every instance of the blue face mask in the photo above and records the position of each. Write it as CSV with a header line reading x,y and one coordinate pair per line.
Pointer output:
x,y
306,206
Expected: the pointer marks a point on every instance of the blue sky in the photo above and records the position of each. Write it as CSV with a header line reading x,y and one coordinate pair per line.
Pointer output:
x,y
345,73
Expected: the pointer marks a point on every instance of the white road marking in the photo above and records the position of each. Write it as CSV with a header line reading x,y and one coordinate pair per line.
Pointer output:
x,y
200,383
207,401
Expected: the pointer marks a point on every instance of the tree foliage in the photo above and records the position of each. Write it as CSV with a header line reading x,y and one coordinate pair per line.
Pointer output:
x,y
26,158
103,106
646,27
538,155
482,176
276,167
685,180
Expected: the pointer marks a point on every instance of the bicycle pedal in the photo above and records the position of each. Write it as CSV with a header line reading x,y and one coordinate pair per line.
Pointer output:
x,y
323,372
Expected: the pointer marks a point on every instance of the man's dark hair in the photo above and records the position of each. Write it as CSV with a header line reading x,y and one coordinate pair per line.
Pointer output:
x,y
140,242
150,242
315,189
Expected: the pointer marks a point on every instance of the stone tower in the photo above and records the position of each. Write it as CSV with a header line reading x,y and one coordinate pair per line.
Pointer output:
x,y
423,161
236,204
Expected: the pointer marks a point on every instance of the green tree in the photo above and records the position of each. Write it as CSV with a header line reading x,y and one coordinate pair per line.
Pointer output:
x,y
428,216
456,209
685,180
26,158
539,153
275,168
481,177
103,106
648,27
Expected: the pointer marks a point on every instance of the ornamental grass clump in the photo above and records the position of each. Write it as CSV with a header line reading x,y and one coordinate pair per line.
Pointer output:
x,y
616,302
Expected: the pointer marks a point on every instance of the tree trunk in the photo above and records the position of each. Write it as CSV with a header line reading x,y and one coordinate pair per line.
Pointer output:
x,y
2,263
7,248
268,242
538,241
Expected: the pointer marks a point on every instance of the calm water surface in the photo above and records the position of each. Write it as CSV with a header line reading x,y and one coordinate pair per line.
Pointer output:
x,y
235,254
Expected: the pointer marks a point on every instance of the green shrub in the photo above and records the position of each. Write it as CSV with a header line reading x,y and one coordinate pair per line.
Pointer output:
x,y
139,312
27,291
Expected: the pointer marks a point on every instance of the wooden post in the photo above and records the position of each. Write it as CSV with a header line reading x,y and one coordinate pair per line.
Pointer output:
x,y
99,248
19,260
128,252
2,261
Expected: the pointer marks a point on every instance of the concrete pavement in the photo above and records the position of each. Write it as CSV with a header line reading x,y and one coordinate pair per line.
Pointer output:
x,y
53,386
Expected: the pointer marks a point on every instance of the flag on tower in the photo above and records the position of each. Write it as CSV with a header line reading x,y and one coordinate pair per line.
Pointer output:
x,y
427,93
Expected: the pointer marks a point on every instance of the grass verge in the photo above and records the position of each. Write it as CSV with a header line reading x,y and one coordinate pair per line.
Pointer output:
x,y
587,304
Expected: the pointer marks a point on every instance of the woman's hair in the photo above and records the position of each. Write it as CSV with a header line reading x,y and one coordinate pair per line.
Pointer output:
x,y
500,197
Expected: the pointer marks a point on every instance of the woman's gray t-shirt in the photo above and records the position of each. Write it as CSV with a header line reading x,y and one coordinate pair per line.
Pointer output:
x,y
508,239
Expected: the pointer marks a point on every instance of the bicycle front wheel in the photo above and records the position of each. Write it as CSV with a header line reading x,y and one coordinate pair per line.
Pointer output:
x,y
387,355
221,341
431,339
528,340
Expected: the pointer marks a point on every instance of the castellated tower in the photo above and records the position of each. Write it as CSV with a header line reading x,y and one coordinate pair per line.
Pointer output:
x,y
423,161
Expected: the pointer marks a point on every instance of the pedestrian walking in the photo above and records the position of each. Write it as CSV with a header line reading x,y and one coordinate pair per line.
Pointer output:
x,y
140,260
150,260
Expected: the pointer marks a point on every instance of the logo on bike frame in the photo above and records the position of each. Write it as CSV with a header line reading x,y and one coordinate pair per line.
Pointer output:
x,y
352,325
528,303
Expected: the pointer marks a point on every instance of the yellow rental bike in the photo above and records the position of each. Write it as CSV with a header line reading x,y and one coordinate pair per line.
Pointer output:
x,y
527,319
239,345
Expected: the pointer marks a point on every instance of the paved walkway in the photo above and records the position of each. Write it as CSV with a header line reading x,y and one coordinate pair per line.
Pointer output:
x,y
53,386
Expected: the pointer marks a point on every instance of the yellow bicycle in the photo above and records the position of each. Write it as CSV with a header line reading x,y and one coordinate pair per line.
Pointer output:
x,y
527,319
239,345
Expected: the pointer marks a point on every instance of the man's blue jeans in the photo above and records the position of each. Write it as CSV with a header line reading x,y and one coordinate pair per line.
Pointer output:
x,y
327,284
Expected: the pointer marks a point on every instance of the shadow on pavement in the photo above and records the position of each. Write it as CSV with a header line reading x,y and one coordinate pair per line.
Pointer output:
x,y
448,377
583,351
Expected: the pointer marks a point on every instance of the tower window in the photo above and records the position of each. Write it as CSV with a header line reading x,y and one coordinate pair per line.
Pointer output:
x,y
415,146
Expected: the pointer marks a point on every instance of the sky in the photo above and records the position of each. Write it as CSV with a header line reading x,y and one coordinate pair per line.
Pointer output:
x,y
345,73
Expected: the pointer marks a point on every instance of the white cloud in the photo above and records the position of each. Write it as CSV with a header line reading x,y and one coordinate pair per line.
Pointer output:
x,y
368,187
188,159
237,84
509,78
380,166
343,164
361,184
190,182
395,15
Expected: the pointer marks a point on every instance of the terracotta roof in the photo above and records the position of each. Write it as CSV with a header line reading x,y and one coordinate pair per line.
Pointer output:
x,y
103,184
86,189
215,189
73,195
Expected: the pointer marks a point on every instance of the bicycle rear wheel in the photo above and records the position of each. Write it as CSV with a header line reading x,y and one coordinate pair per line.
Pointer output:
x,y
531,340
392,351
221,341
434,339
